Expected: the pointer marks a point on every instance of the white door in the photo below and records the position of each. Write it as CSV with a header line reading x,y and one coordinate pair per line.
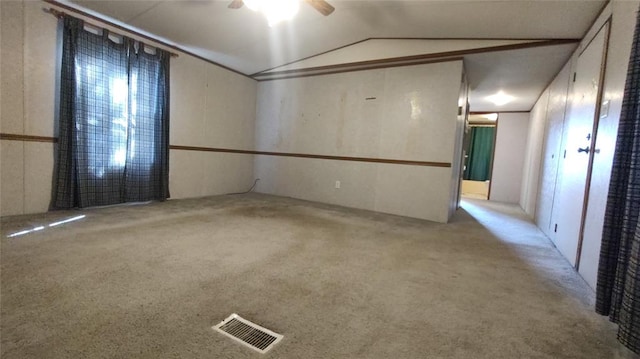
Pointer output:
x,y
575,162
605,144
552,151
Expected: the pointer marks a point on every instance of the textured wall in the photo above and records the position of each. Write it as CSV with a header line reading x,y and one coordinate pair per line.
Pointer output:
x,y
508,160
27,105
404,113
533,153
210,107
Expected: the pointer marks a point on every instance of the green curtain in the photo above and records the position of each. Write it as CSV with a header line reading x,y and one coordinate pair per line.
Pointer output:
x,y
480,153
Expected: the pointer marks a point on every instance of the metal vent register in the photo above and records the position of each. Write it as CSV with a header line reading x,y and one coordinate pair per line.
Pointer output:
x,y
247,333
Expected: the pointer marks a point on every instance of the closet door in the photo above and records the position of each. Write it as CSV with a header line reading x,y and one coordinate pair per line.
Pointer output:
x,y
574,166
552,150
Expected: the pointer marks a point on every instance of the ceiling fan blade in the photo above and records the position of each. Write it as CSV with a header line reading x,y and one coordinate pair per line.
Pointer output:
x,y
236,4
322,6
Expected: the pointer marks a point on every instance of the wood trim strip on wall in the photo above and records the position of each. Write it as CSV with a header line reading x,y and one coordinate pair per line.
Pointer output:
x,y
477,38
496,112
607,4
309,57
354,69
420,57
323,157
263,72
27,138
606,23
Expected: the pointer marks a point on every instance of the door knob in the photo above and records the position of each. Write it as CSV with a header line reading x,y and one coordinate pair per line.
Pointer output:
x,y
585,150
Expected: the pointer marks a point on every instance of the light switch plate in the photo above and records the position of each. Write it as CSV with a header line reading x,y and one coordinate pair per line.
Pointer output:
x,y
604,109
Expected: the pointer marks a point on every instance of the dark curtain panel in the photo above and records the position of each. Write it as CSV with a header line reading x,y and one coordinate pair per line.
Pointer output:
x,y
147,165
480,152
618,292
113,123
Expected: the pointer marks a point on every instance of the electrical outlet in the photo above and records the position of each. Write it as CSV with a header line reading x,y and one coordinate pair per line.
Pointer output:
x,y
337,184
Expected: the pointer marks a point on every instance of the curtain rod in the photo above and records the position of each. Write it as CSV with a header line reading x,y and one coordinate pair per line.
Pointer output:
x,y
165,45
59,14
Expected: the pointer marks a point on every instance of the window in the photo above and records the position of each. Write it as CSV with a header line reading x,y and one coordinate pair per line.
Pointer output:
x,y
113,121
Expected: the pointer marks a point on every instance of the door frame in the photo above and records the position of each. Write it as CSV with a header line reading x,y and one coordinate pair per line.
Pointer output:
x,y
467,132
594,132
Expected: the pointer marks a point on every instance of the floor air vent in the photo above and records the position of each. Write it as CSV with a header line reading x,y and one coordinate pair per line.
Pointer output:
x,y
247,333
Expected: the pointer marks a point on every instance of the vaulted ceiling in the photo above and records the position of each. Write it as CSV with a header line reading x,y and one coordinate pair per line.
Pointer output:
x,y
242,40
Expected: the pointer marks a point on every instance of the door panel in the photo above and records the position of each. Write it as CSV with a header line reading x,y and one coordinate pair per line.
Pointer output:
x,y
552,150
605,144
574,165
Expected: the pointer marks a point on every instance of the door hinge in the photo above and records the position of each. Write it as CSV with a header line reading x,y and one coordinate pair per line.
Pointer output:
x,y
555,228
574,77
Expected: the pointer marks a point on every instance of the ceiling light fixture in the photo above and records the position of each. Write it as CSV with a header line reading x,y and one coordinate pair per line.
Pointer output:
x,y
500,98
275,11
490,116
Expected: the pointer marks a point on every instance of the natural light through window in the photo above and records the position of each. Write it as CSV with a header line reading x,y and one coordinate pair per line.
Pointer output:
x,y
115,122
120,126
39,228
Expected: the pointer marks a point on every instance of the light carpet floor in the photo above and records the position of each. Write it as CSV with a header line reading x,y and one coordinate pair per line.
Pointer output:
x,y
149,281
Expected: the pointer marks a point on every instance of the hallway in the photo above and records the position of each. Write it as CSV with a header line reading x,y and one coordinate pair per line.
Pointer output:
x,y
509,225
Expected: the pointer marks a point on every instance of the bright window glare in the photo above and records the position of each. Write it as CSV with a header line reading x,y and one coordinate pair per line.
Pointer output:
x,y
39,228
119,88
20,233
120,157
66,221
